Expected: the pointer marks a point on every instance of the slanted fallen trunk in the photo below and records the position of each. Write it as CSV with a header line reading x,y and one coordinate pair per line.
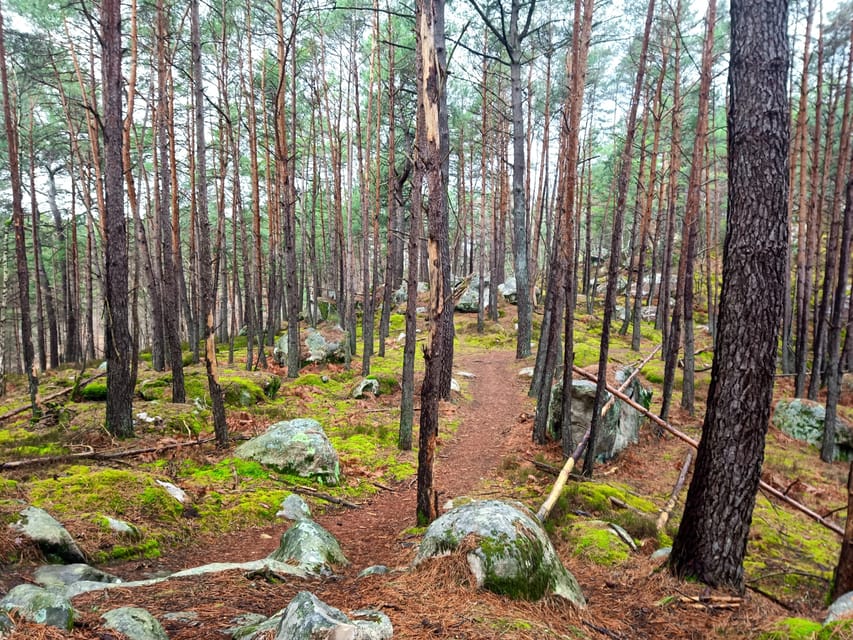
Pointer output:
x,y
663,518
684,437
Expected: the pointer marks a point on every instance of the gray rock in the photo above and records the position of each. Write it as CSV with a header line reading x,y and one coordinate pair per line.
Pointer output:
x,y
374,570
280,349
804,420
466,374
50,536
454,386
181,616
327,346
6,624
841,609
309,618
469,302
310,547
120,526
294,508
366,385
173,490
246,625
135,623
421,311
296,446
423,287
510,553
54,575
401,295
620,427
40,606
527,372
509,290
662,554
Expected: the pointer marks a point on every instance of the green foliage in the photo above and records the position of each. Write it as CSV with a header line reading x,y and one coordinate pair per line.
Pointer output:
x,y
94,391
802,629
598,543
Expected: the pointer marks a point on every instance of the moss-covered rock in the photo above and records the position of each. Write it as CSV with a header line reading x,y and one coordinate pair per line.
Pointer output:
x,y
310,547
296,446
804,420
506,549
40,606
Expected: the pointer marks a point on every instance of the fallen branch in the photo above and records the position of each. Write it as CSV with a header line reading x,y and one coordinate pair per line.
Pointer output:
x,y
101,455
563,477
673,498
308,491
684,437
53,396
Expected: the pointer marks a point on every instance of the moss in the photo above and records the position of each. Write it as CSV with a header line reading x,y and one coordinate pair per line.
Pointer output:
x,y
114,491
149,548
388,384
94,391
788,556
152,389
586,353
230,512
241,392
396,323
224,470
793,629
530,583
596,542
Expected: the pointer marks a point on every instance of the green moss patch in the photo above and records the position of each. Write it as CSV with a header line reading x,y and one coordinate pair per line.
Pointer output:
x,y
94,391
802,629
595,541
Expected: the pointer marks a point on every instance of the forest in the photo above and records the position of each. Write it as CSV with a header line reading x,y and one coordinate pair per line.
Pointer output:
x,y
191,190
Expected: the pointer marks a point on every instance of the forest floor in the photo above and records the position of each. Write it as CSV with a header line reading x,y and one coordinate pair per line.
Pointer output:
x,y
489,455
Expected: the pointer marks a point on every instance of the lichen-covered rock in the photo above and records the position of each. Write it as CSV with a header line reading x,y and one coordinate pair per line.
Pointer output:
x,y
804,420
49,535
309,546
841,609
620,427
39,605
294,508
135,623
508,553
54,575
296,446
6,624
309,618
469,301
366,385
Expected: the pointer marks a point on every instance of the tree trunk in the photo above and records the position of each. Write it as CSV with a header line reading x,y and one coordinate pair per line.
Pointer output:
x,y
18,226
432,100
711,541
616,240
118,344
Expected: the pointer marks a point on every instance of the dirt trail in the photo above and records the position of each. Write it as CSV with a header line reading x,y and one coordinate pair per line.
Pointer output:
x,y
490,427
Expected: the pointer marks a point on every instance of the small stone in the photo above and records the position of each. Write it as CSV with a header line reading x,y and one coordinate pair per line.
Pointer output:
x,y
527,372
65,574
135,623
466,374
120,526
374,570
661,554
176,492
454,386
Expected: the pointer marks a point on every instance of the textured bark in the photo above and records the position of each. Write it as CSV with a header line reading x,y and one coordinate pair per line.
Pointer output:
x,y
169,289
119,345
616,240
18,226
207,290
711,541
432,99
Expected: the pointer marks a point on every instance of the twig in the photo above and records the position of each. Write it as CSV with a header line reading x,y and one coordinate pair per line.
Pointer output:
x,y
770,597
603,631
319,494
382,486
683,436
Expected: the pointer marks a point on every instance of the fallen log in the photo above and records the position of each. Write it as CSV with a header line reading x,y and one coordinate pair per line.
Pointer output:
x,y
101,455
563,477
53,396
684,437
673,498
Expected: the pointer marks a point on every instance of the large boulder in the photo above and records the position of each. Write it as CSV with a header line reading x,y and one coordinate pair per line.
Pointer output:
x,y
135,623
804,420
621,425
60,575
840,609
506,548
298,446
509,290
49,535
310,547
309,618
324,344
39,605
